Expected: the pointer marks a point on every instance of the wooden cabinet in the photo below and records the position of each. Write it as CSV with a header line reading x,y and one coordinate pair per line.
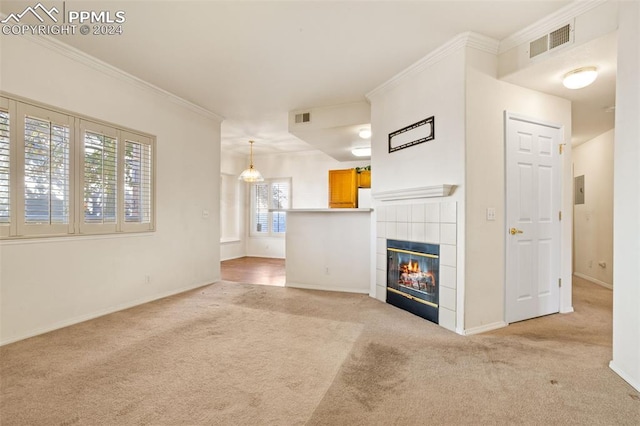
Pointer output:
x,y
364,179
343,188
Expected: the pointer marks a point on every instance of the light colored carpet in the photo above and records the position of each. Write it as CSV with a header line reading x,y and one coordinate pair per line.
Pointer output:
x,y
243,354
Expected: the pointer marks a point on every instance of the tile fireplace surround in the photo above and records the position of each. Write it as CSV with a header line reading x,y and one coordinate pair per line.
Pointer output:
x,y
424,222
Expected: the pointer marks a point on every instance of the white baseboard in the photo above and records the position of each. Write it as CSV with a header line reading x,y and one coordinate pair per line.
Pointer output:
x,y
624,376
102,312
593,280
484,328
340,288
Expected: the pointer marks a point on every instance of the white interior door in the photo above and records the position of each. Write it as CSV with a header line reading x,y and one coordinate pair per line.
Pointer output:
x,y
533,217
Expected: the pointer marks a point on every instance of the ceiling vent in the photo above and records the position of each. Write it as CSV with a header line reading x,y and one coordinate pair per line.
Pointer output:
x,y
550,41
304,117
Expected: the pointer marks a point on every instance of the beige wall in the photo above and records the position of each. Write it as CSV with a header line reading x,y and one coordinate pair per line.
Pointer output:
x,y
50,283
486,101
593,220
626,203
309,173
434,86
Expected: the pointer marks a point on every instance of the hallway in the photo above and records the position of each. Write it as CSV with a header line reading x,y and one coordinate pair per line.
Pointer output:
x,y
254,270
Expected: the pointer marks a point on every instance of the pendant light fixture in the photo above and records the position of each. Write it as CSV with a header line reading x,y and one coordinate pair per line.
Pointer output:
x,y
251,174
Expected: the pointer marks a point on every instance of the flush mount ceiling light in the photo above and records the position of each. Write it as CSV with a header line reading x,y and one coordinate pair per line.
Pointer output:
x,y
582,77
362,152
251,174
364,133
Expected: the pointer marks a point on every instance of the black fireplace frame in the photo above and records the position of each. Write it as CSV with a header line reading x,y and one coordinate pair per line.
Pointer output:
x,y
407,299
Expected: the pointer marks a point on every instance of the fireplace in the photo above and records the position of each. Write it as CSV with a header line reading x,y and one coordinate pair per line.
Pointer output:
x,y
413,277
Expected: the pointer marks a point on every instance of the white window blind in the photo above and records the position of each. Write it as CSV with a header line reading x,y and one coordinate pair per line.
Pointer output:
x,y
63,175
5,176
100,178
46,172
261,208
41,185
268,200
137,182
279,201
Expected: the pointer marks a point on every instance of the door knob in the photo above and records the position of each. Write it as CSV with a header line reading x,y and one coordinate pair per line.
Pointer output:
x,y
514,231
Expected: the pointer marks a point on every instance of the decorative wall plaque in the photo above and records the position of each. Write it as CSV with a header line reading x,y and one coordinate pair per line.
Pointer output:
x,y
422,131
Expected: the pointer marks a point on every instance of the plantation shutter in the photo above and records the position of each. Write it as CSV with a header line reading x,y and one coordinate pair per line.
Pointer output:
x,y
261,212
99,178
138,178
279,201
46,172
5,169
44,152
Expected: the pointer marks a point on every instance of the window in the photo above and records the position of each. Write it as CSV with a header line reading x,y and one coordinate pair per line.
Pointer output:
x,y
46,189
269,199
5,179
138,178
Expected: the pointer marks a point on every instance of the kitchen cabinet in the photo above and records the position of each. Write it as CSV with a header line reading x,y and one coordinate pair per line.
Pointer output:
x,y
364,179
343,188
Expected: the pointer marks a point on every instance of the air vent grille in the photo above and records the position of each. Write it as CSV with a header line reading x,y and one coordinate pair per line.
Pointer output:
x,y
559,36
538,46
550,41
304,117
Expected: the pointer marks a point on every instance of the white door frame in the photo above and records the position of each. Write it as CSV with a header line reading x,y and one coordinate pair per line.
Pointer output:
x,y
508,116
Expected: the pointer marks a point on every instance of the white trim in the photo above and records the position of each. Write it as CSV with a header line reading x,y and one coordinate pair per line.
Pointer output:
x,y
467,39
105,68
484,328
102,312
624,376
341,288
549,23
71,238
433,191
593,280
330,210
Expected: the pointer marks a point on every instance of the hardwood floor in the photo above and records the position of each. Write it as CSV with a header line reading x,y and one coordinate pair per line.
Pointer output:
x,y
254,270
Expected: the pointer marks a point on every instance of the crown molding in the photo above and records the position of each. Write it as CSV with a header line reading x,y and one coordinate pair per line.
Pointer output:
x,y
107,69
461,41
443,190
549,23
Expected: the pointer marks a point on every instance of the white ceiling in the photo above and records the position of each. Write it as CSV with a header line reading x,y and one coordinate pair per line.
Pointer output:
x,y
253,62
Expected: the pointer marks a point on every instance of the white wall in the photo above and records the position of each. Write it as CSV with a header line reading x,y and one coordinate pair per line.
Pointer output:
x,y
460,89
77,278
434,86
487,99
593,220
309,173
626,203
233,164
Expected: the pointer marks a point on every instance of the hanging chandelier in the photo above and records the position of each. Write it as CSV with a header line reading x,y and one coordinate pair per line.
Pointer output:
x,y
251,174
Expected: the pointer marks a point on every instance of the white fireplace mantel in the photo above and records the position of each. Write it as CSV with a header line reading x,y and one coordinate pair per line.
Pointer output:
x,y
433,191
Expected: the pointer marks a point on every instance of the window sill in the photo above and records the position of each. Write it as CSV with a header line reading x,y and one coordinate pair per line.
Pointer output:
x,y
71,238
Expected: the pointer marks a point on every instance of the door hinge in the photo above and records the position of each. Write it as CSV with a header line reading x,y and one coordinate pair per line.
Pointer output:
x,y
559,282
561,148
560,215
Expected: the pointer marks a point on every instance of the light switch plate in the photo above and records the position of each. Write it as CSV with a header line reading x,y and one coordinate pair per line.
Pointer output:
x,y
491,213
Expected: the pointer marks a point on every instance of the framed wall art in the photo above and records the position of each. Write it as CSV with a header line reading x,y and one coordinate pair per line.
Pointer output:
x,y
414,134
